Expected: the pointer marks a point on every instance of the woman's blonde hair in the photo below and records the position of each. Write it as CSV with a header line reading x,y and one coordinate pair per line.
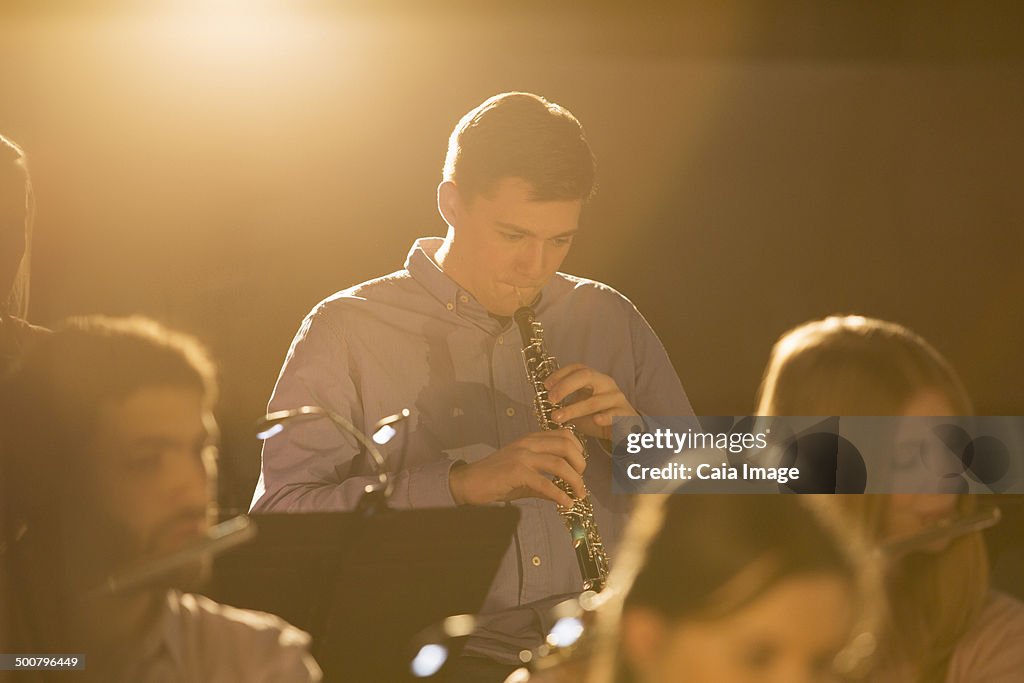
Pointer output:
x,y
851,365
14,177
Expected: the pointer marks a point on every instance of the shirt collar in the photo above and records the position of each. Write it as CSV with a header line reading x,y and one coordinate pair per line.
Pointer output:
x,y
162,637
173,634
425,270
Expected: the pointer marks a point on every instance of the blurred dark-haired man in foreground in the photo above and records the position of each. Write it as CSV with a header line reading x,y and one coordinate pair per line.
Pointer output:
x,y
109,464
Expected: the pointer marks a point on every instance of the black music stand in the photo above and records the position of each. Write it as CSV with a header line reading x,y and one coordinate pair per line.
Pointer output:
x,y
364,586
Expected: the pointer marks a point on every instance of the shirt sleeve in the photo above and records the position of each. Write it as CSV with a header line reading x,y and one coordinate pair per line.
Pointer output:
x,y
223,643
658,389
991,652
290,664
657,395
309,465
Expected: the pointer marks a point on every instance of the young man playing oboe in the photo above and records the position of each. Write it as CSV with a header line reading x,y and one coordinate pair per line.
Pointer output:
x,y
438,337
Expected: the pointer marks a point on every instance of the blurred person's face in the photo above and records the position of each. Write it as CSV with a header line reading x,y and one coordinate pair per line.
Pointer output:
x,y
908,514
505,241
152,471
791,634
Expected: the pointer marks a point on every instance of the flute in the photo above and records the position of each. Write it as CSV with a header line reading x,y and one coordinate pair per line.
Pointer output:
x,y
219,538
956,528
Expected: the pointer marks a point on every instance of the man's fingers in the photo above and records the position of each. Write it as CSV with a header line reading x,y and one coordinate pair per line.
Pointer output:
x,y
561,373
595,404
546,488
574,454
562,443
579,377
560,468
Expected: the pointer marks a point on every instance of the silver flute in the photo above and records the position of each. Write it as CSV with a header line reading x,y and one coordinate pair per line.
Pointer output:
x,y
217,539
579,518
949,530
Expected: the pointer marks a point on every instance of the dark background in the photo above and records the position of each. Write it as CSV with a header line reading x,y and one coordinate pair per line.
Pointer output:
x,y
222,166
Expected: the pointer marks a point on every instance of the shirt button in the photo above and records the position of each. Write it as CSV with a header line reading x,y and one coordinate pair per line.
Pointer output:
x,y
535,560
450,306
510,411
464,299
501,340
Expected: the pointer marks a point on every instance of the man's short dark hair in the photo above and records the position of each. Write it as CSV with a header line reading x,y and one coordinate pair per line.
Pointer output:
x,y
51,403
521,135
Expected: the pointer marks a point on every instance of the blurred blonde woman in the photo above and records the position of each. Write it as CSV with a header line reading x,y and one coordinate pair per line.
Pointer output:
x,y
947,624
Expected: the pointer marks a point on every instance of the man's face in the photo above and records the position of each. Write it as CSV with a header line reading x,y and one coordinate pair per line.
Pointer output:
x,y
505,241
152,469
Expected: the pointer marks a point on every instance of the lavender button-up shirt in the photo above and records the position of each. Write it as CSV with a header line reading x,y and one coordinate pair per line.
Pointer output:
x,y
415,339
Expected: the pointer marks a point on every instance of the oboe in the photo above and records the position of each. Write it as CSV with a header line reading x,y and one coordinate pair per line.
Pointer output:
x,y
579,518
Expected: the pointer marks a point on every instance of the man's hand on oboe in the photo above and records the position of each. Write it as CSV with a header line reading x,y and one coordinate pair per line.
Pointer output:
x,y
600,400
523,469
